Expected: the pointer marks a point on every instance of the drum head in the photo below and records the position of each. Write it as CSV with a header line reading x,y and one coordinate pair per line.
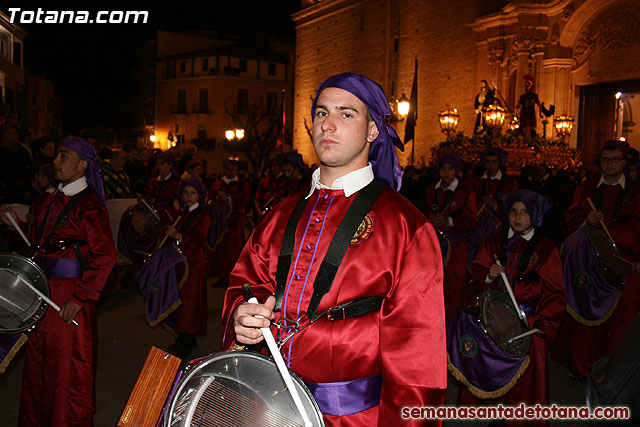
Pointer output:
x,y
20,307
237,389
501,322
145,225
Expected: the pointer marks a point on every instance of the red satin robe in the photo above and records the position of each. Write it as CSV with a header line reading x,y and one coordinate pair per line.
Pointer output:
x,y
59,372
228,249
163,193
462,210
541,282
579,346
396,255
495,188
192,313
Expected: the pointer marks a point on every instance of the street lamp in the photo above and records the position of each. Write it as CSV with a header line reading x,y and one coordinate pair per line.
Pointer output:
x,y
234,136
399,109
563,125
448,121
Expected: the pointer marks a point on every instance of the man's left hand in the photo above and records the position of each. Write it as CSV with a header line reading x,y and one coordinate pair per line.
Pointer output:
x,y
69,310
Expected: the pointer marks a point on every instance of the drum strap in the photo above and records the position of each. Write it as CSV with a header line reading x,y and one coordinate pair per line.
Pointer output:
x,y
523,262
619,200
498,189
445,203
190,218
337,248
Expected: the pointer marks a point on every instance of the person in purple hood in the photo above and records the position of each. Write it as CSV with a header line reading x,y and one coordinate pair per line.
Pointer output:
x,y
352,236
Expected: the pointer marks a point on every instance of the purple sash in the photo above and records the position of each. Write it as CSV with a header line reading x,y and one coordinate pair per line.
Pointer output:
x,y
159,279
60,267
478,362
9,346
590,297
347,397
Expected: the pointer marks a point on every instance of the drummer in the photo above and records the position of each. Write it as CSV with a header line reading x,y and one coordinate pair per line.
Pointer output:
x,y
161,191
617,202
394,254
59,371
451,207
532,265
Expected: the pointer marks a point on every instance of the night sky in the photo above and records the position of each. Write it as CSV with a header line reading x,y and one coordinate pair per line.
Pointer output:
x,y
90,64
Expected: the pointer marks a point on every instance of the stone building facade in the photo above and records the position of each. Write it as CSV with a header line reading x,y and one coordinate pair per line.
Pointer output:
x,y
581,53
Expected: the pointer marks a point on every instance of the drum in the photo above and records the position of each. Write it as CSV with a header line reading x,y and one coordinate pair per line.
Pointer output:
x,y
145,223
20,307
500,321
240,389
611,266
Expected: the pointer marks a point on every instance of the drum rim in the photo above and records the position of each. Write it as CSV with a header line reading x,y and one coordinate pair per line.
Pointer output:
x,y
42,306
193,369
503,296
591,231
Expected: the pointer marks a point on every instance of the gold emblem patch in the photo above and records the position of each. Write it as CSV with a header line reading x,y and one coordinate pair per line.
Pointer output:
x,y
364,230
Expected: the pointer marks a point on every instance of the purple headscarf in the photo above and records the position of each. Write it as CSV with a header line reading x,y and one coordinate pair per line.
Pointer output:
x,y
452,159
198,185
93,173
536,204
496,151
382,155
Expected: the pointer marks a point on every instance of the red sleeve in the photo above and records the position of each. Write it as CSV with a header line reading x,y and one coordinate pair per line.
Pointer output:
x,y
551,305
100,253
578,209
196,237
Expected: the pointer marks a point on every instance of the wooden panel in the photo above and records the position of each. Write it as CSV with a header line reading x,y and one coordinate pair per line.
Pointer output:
x,y
151,390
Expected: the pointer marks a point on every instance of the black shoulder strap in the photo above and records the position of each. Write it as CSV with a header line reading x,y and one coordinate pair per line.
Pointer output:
x,y
286,250
65,211
340,242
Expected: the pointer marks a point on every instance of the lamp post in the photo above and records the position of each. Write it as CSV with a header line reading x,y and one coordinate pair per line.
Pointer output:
x,y
234,136
564,126
399,109
448,121
494,118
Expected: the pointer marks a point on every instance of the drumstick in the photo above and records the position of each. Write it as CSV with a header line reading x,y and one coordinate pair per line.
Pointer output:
x,y
169,214
521,314
624,259
525,334
277,357
606,230
151,209
44,297
166,236
484,205
17,227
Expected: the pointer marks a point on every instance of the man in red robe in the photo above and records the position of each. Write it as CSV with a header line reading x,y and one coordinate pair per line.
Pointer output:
x,y
451,207
162,189
236,191
617,202
377,359
59,372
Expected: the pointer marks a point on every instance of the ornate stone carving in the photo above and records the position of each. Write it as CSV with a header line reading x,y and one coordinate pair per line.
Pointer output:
x,y
615,28
495,55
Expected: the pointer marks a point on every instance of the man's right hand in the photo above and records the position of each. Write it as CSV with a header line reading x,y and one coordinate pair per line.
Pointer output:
x,y
594,217
3,216
247,326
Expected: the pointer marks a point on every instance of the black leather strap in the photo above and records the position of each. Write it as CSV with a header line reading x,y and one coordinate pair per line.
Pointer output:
x,y
65,211
355,308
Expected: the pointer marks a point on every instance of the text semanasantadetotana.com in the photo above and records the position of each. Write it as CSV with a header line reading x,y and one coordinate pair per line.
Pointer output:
x,y
521,412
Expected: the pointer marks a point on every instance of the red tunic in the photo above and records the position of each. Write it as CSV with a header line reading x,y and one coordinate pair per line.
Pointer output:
x,y
396,256
162,194
495,188
579,346
462,210
192,313
59,371
227,250
541,282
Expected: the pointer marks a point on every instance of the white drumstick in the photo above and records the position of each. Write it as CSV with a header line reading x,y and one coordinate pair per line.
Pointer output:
x,y
521,314
151,209
17,227
525,334
284,372
44,297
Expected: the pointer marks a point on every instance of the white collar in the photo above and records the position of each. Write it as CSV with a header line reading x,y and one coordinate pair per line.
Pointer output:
x,y
74,187
228,180
498,175
193,207
526,236
350,183
621,181
452,186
